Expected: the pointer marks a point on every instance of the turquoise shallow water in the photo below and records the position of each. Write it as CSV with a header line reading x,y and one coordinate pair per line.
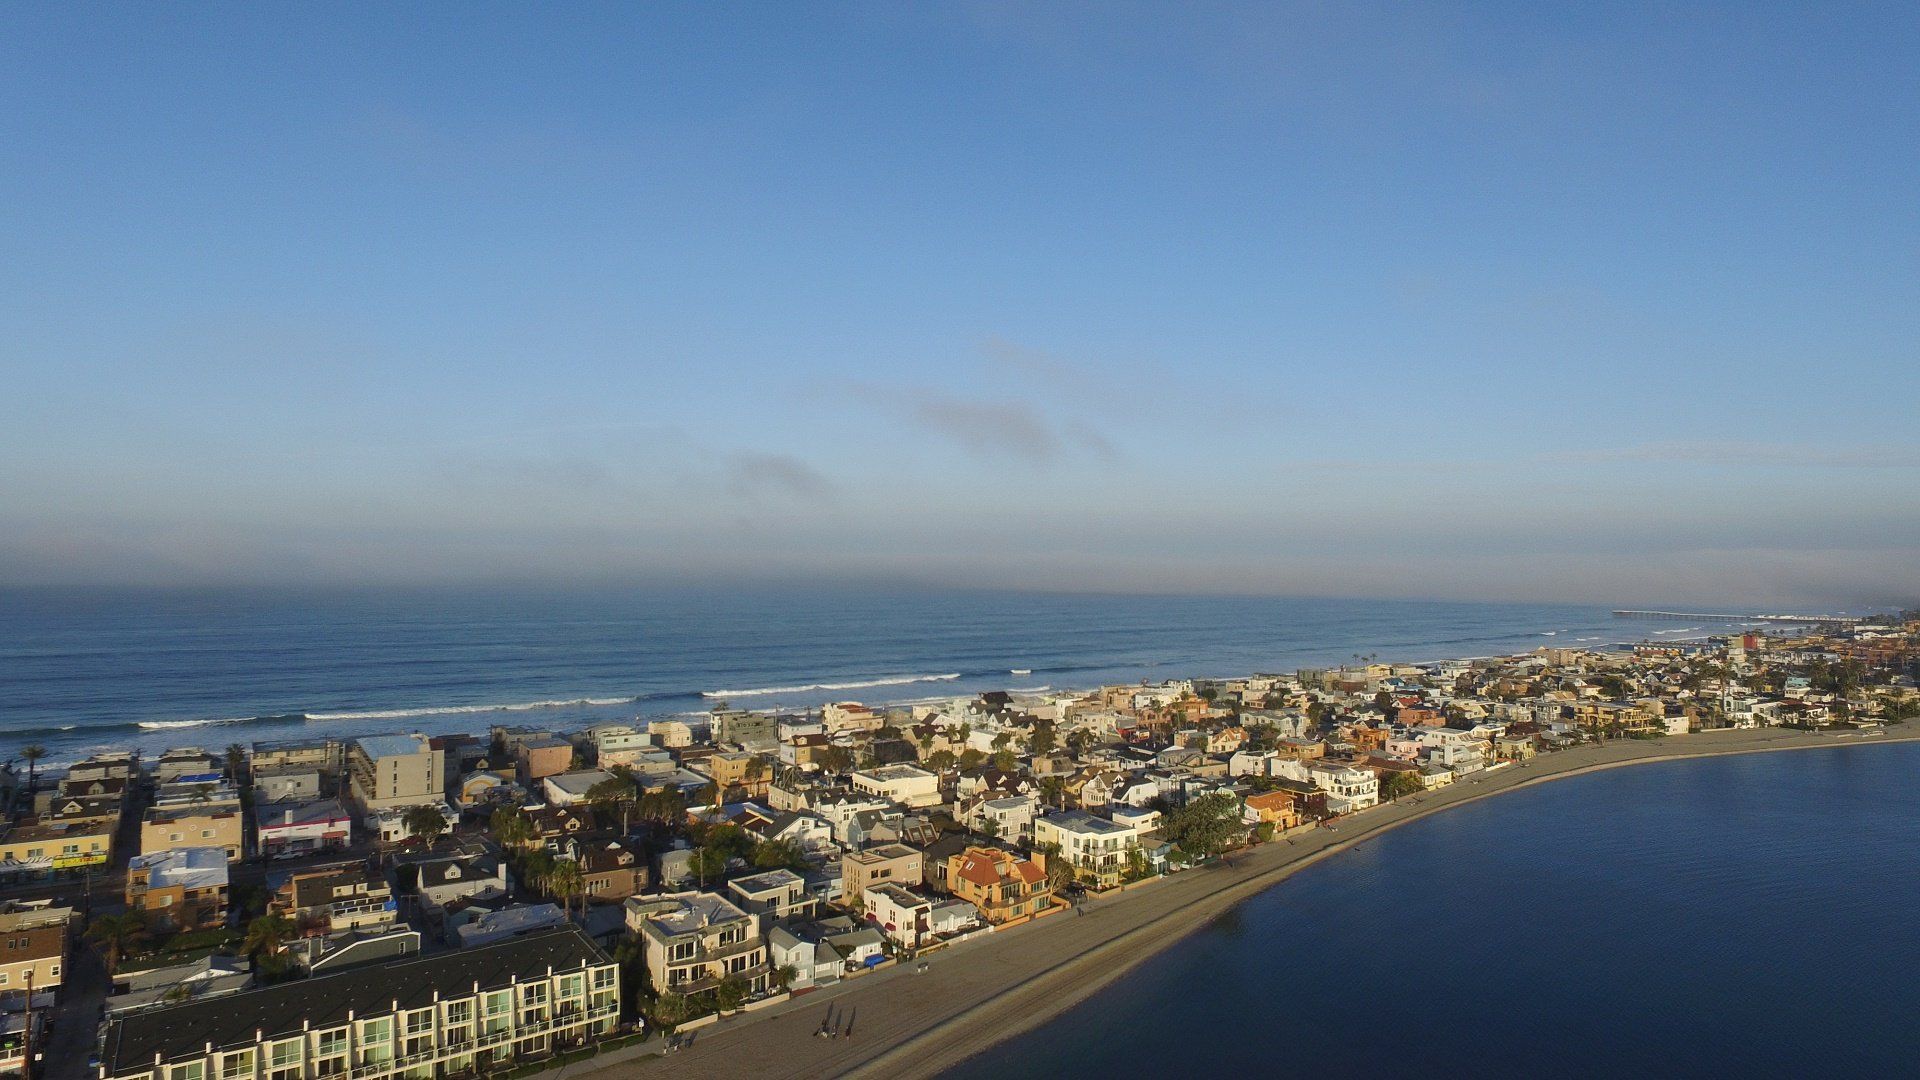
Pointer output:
x,y
1739,916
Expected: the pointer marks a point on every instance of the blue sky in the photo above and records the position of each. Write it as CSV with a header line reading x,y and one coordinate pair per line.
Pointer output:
x,y
1496,301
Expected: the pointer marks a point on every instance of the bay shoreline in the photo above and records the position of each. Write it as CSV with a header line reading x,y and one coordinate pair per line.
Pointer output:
x,y
1008,983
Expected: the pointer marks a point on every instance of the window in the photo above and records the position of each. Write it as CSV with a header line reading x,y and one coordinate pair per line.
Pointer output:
x,y
54,971
331,1042
236,1065
286,1052
193,1070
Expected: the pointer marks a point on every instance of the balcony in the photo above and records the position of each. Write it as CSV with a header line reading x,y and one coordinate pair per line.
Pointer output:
x,y
573,1019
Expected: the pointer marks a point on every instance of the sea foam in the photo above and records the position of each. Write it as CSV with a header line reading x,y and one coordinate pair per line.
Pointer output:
x,y
893,680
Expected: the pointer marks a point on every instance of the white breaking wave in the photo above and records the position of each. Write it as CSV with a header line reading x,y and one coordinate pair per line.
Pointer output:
x,y
894,680
164,725
459,710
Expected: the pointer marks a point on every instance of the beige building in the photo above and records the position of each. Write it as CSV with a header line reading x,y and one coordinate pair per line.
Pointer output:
x,y
36,937
389,772
693,940
176,825
537,759
893,864
841,716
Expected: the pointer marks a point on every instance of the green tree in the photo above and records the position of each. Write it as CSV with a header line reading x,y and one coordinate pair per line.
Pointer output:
x,y
971,758
424,823
1044,737
267,934
664,807
1394,785
707,864
1053,791
1206,826
730,993
117,935
834,759
613,795
1060,872
510,826
778,855
942,760
669,1011
236,763
784,975
1005,761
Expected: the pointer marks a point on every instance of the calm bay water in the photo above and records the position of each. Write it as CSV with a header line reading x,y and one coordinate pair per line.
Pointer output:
x,y
80,672
1741,916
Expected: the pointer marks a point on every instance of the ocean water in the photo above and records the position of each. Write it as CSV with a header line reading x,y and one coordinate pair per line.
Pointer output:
x,y
1740,916
84,671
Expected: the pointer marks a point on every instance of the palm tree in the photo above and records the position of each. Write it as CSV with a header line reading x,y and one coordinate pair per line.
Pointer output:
x,y
536,869
266,934
565,882
116,935
510,827
236,761
784,975
32,754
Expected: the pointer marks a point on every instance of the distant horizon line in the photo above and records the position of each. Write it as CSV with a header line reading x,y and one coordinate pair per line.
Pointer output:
x,y
849,586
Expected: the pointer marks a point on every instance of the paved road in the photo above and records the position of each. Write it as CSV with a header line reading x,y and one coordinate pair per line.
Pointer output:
x,y
77,1018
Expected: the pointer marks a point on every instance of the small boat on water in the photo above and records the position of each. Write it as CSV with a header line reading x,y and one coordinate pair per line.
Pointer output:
x,y
1022,671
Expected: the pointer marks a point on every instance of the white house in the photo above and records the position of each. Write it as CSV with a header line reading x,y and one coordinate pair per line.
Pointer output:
x,y
902,914
1011,817
316,826
1348,789
908,785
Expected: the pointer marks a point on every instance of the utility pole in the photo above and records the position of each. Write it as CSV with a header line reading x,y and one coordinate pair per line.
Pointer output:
x,y
26,1032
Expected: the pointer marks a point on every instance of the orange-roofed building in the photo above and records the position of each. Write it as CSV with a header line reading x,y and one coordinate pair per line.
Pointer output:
x,y
1276,808
1005,887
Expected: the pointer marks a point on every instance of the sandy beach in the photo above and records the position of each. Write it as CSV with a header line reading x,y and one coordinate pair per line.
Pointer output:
x,y
907,1024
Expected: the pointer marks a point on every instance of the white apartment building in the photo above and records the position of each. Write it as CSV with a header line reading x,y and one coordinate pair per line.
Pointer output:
x,y
1096,848
456,1013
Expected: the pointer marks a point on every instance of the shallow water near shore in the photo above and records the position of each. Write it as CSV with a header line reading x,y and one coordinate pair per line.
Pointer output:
x,y
1742,915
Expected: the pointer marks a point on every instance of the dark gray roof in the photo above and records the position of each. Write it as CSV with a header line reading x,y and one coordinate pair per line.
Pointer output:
x,y
179,1031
